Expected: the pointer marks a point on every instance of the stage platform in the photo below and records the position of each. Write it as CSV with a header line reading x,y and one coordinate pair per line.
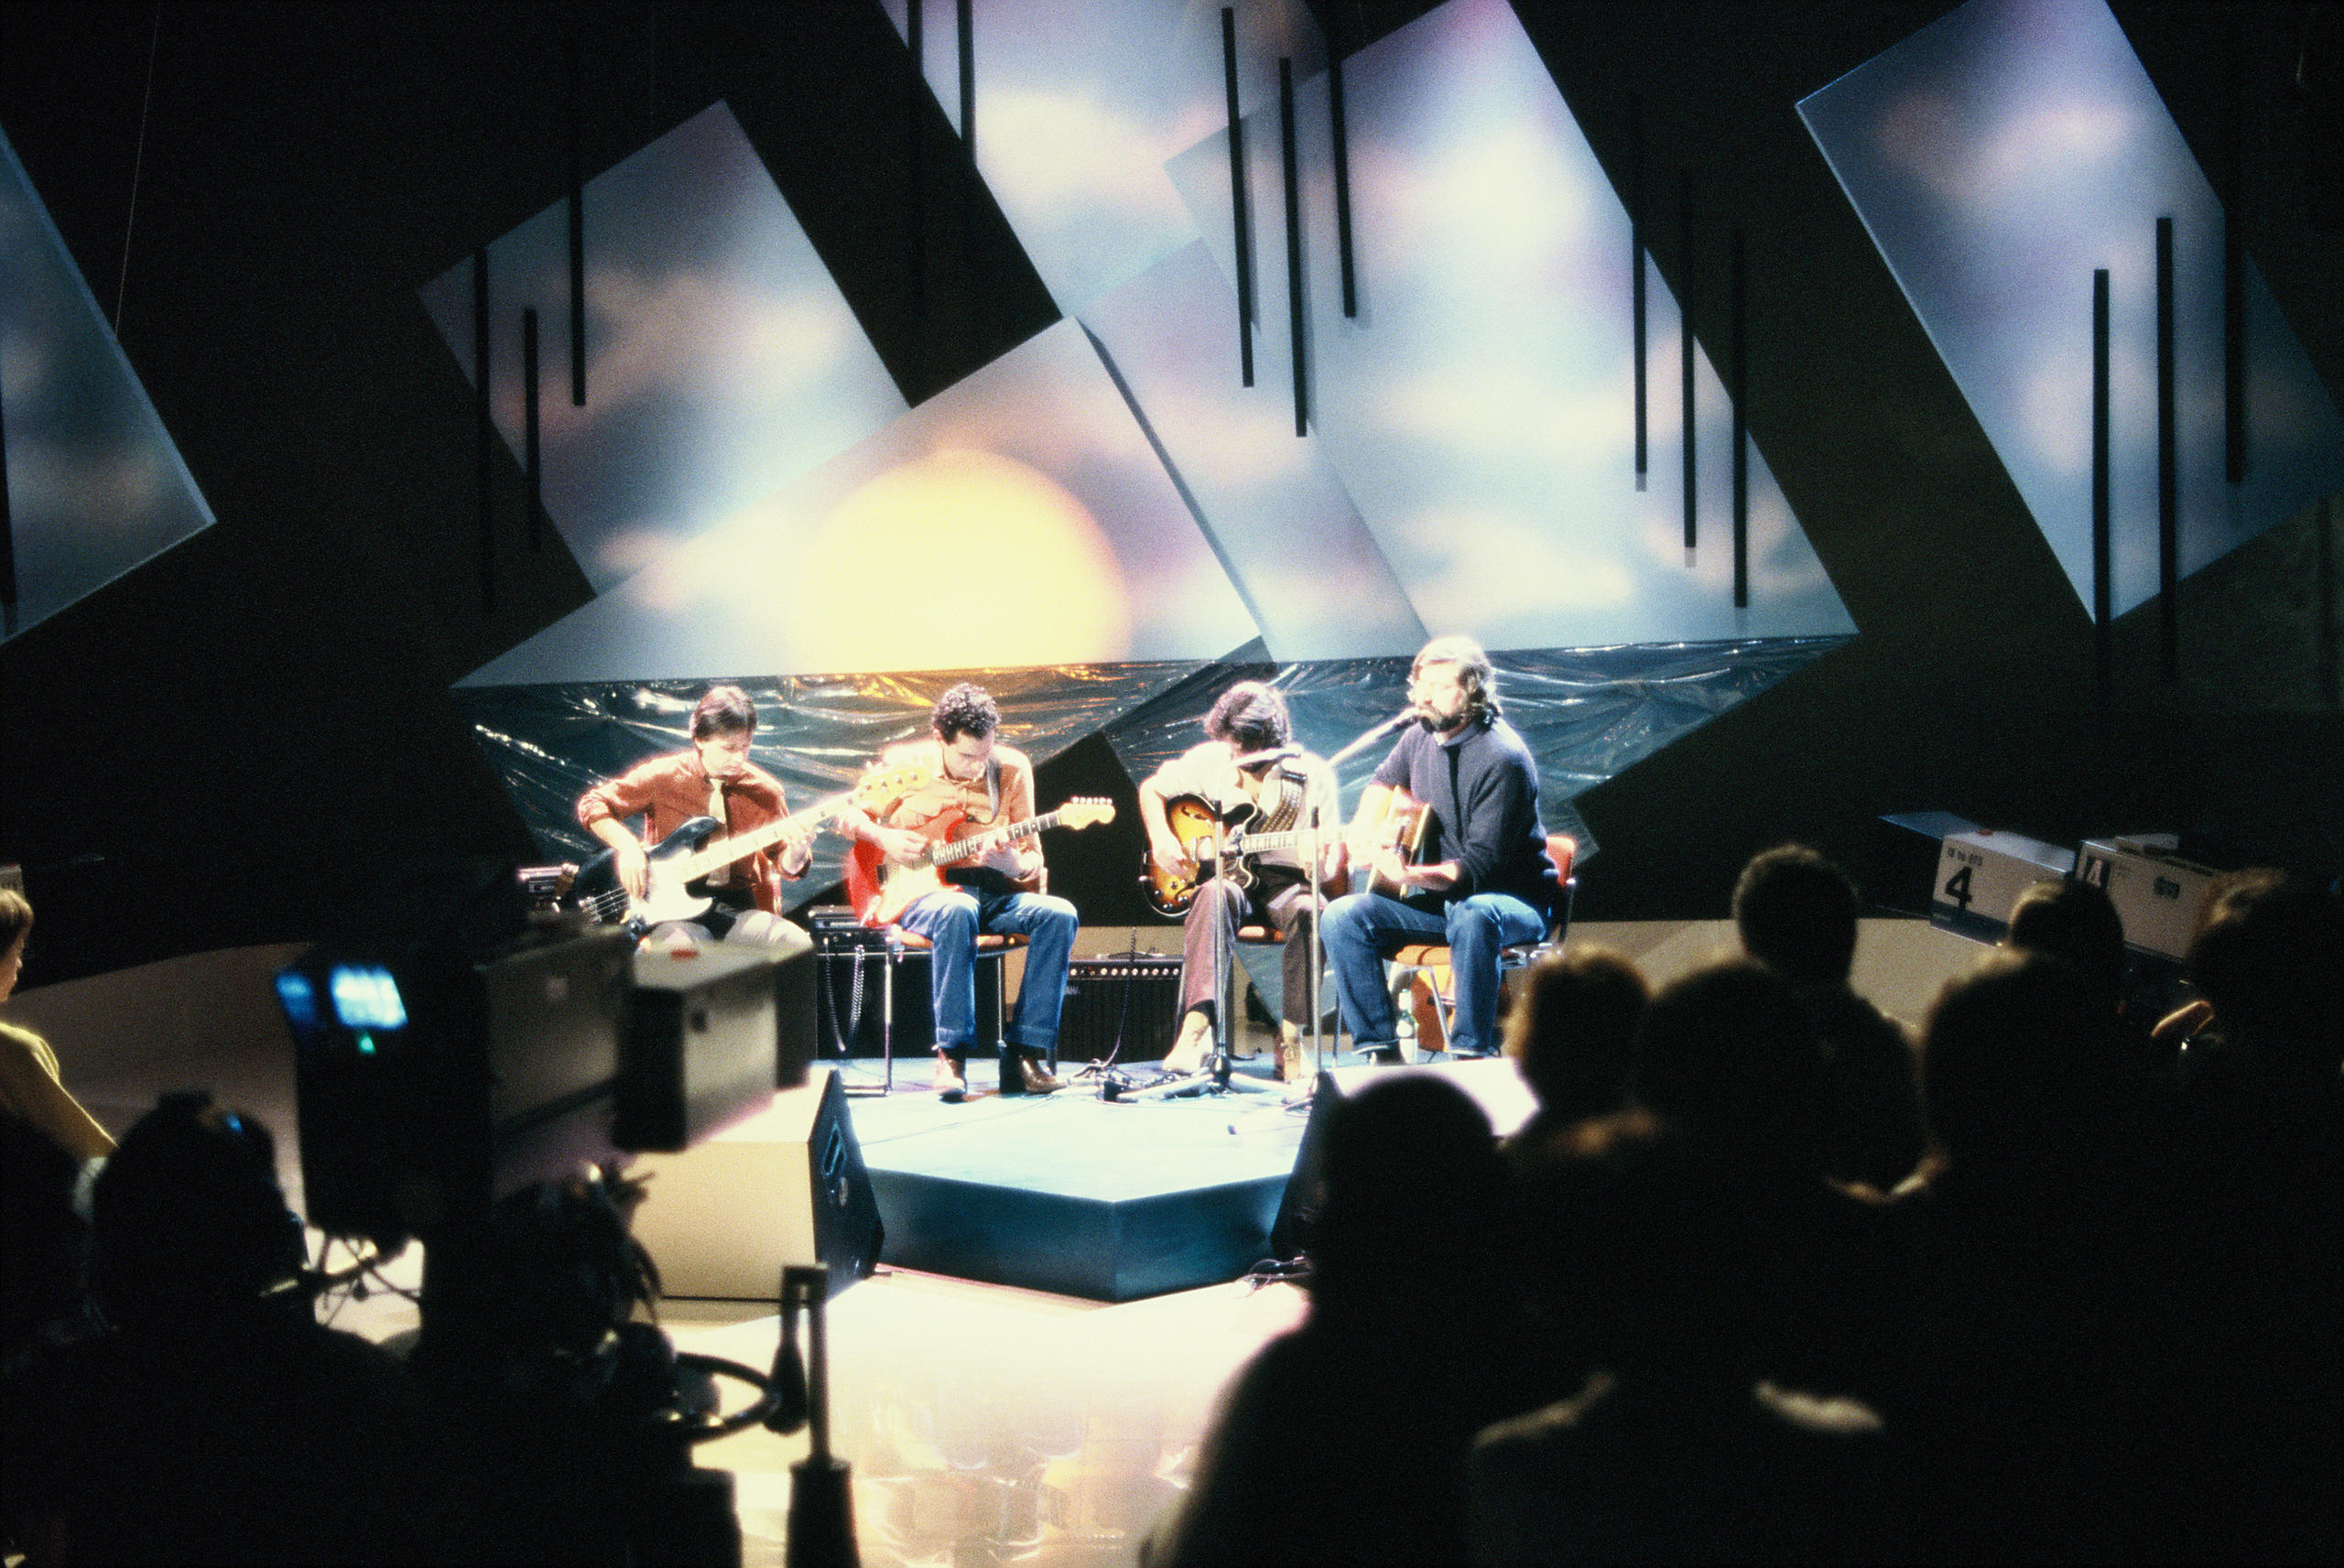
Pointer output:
x,y
1067,1192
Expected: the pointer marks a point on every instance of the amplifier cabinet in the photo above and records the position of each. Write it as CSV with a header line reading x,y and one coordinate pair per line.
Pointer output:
x,y
1130,1000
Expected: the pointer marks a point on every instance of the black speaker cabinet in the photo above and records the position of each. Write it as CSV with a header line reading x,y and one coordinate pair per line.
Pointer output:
x,y
1125,1009
788,1185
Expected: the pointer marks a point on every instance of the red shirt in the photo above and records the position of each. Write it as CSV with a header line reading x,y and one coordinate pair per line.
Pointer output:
x,y
670,791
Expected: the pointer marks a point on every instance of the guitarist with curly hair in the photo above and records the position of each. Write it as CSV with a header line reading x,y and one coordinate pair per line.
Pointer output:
x,y
966,778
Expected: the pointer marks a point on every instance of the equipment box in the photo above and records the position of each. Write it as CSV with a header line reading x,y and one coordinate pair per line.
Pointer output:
x,y
2158,895
1980,874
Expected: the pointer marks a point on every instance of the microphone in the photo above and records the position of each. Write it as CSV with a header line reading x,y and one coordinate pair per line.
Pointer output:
x,y
1408,716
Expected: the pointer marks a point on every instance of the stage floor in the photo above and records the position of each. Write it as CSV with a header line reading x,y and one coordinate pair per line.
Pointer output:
x,y
1072,1193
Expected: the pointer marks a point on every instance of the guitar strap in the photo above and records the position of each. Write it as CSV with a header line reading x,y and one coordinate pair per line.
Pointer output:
x,y
993,789
1281,813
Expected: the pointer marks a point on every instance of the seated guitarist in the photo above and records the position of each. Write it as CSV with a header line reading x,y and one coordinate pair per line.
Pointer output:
x,y
1483,879
715,778
1251,779
990,784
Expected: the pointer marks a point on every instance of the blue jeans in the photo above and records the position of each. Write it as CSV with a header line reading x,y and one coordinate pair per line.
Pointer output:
x,y
1362,927
951,920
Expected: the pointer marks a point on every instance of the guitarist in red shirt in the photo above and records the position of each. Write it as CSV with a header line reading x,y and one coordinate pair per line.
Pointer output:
x,y
969,778
715,778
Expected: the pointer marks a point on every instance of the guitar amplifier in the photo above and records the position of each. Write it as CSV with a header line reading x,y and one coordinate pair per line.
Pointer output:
x,y
851,963
1125,1007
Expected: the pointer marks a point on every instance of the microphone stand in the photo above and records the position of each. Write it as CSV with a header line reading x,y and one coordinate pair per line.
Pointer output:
x,y
1316,856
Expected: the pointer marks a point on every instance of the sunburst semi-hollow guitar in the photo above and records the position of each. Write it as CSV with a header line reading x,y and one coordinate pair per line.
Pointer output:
x,y
1396,839
1213,851
672,888
880,892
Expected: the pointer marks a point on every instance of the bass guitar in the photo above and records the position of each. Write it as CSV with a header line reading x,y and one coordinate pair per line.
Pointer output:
x,y
880,892
1213,851
673,888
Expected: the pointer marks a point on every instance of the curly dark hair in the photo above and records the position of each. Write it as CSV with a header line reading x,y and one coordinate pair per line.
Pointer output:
x,y
965,709
1252,717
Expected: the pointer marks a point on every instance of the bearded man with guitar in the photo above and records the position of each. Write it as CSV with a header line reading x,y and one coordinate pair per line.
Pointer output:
x,y
964,778
1230,825
715,779
1470,869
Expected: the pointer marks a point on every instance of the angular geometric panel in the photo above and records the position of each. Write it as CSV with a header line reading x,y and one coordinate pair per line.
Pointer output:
x,y
1998,157
1080,107
95,486
1479,409
721,360
1019,517
1292,540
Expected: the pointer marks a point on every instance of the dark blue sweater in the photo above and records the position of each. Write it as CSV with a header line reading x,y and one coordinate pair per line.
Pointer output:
x,y
1483,791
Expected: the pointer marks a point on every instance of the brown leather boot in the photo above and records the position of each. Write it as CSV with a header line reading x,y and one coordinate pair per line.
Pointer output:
x,y
950,1078
1021,1066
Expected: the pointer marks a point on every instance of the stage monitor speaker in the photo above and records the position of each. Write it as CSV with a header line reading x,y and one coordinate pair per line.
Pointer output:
x,y
788,1185
1491,1082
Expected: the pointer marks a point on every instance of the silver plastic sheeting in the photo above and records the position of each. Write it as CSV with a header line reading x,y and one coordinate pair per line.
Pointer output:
x,y
550,744
1587,714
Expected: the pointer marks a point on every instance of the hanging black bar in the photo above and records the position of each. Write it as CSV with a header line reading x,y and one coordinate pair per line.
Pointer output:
x,y
1685,343
1293,307
577,230
484,433
967,23
1237,204
529,451
1342,180
915,90
7,539
1637,277
2234,253
1741,333
2168,470
2103,646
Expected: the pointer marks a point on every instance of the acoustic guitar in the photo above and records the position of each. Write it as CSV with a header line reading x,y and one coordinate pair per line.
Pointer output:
x,y
1395,839
880,892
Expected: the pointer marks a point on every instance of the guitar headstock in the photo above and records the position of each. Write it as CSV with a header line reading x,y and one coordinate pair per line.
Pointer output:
x,y
879,788
1086,811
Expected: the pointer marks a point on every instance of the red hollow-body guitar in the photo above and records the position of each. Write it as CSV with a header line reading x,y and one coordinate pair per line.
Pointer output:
x,y
880,892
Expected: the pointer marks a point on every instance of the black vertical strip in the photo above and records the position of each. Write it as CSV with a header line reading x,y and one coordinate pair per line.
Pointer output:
x,y
1294,309
576,229
914,153
1636,279
1685,344
1741,333
484,432
2168,470
7,537
967,23
1342,180
531,457
1237,205
2234,253
2103,648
